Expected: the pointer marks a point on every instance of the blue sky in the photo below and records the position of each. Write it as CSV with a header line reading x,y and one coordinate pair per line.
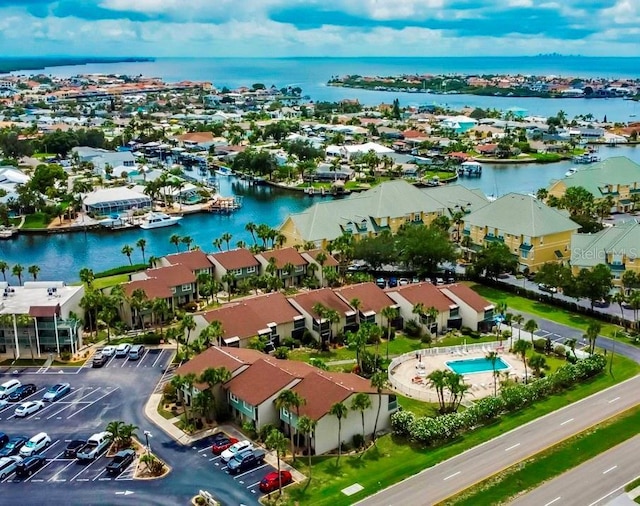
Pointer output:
x,y
319,27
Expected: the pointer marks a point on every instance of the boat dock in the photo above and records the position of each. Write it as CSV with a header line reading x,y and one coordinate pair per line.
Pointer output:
x,y
225,205
470,169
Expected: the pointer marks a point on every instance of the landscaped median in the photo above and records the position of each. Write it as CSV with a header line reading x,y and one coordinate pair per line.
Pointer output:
x,y
395,458
528,474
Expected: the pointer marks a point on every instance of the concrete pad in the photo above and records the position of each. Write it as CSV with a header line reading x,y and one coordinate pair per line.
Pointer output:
x,y
352,489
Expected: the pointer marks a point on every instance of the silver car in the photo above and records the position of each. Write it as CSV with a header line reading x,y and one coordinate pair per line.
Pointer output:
x,y
8,465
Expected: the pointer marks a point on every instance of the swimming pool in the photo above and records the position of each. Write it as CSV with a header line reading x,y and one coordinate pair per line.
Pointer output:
x,y
476,365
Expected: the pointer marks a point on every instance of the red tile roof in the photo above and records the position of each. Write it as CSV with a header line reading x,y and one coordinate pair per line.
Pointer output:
x,y
194,260
173,275
196,137
235,259
153,288
313,253
284,256
371,297
324,296
244,319
219,357
424,293
259,382
467,295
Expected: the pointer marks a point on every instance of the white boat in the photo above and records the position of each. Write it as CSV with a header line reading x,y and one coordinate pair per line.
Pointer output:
x,y
224,171
159,220
570,172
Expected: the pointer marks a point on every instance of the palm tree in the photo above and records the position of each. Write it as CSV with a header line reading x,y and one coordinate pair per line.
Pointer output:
x,y
379,381
114,428
177,382
34,270
620,298
17,272
127,250
189,380
160,309
492,357
361,402
138,302
213,376
187,240
3,268
251,228
278,442
217,243
356,304
86,276
187,324
592,334
390,313
321,259
517,319
229,278
571,343
175,240
127,433
226,237
437,381
288,399
520,348
537,363
306,426
531,326
142,244
339,410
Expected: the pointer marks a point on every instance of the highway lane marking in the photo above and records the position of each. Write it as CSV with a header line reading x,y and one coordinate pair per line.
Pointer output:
x,y
609,470
512,447
614,491
451,476
567,421
614,400
88,405
551,502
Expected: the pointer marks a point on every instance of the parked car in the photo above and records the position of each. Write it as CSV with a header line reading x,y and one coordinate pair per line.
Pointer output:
x,y
547,288
222,444
99,360
122,350
38,442
601,303
95,445
245,460
238,447
393,282
136,352
8,465
28,408
121,461
13,446
22,391
30,465
8,387
403,281
270,482
381,282
56,391
4,439
71,451
108,351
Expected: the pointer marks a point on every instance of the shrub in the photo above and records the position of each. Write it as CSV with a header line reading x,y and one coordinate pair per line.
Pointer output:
x,y
265,430
539,344
413,328
249,429
465,331
308,339
290,342
401,422
358,441
65,355
125,269
148,338
281,352
169,392
560,350
190,307
426,339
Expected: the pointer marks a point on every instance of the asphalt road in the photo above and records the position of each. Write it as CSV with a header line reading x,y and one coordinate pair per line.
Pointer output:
x,y
458,473
593,483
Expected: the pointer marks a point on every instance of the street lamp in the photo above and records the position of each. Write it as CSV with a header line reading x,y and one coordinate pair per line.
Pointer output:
x,y
147,435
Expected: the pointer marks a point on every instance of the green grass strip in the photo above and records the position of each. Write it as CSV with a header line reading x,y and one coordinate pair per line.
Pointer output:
x,y
554,461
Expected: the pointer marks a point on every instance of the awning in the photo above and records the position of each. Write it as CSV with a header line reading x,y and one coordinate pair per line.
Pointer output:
x,y
231,341
44,311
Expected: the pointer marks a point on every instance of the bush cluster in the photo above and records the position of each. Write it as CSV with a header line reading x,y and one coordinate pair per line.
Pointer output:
x,y
445,428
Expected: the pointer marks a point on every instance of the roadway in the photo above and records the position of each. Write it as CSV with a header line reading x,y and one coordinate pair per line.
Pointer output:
x,y
476,464
594,483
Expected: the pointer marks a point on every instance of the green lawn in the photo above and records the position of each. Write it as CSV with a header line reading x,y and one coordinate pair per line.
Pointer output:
x,y
35,220
394,459
109,281
418,407
552,462
516,303
630,486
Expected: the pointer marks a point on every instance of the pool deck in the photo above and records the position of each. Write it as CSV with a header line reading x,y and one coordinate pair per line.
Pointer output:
x,y
410,376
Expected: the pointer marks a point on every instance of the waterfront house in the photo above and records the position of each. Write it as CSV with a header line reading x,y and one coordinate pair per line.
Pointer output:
x,y
617,178
617,247
196,140
320,325
240,263
196,260
372,299
270,316
286,264
105,201
322,267
40,317
102,159
534,232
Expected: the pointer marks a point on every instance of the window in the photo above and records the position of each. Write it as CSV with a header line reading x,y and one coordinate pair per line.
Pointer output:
x,y
236,272
454,312
285,413
233,397
393,403
247,405
350,319
173,289
250,270
186,288
384,222
299,268
299,323
524,253
416,217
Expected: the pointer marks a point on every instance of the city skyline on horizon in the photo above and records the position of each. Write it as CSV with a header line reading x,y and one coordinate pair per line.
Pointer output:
x,y
354,28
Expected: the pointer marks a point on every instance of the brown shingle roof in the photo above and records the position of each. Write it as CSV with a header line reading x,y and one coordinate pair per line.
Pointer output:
x,y
371,297
174,275
330,262
194,260
259,382
285,256
153,288
324,296
196,137
244,319
424,293
235,259
471,298
216,357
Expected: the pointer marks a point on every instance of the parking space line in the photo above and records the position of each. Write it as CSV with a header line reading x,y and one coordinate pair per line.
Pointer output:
x,y
99,474
111,359
45,466
92,403
53,478
156,360
71,403
251,486
250,471
83,470
125,361
141,359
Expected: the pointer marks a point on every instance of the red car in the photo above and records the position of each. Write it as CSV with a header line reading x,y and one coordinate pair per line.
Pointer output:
x,y
222,444
270,482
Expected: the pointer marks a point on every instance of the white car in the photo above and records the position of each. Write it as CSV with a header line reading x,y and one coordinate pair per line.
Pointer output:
x,y
238,447
122,350
35,444
8,465
28,408
108,351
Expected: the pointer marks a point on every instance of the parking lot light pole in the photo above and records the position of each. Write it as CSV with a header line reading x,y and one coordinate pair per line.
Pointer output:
x,y
147,435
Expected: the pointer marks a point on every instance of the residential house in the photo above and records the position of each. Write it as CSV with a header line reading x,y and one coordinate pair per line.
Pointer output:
x,y
196,260
616,178
534,232
196,140
240,263
40,317
372,298
320,326
270,316
322,268
617,247
286,263
105,201
474,311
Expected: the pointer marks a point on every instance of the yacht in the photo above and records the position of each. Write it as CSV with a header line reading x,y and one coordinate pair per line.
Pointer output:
x,y
159,220
224,171
570,172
